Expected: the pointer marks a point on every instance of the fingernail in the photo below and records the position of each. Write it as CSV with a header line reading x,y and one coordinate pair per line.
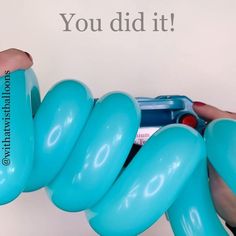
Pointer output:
x,y
229,112
199,104
29,56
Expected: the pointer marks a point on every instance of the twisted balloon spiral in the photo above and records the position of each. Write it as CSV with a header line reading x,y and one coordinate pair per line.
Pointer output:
x,y
77,148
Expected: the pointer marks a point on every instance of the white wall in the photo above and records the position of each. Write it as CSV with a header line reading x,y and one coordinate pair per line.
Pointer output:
x,y
197,59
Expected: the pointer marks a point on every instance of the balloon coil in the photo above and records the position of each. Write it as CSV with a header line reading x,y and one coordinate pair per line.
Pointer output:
x,y
77,148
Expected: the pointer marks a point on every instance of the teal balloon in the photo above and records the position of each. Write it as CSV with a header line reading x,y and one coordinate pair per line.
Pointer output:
x,y
150,184
193,212
220,137
57,125
78,150
18,93
99,154
33,87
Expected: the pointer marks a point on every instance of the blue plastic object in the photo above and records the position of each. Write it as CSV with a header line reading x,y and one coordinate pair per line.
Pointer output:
x,y
165,110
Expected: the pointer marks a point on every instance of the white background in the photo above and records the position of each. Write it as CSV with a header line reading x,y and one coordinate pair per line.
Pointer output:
x,y
197,59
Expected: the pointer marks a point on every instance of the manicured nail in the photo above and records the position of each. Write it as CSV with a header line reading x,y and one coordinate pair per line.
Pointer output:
x,y
29,56
229,112
199,104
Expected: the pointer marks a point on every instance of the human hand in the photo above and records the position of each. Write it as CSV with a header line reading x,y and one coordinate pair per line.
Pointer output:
x,y
14,59
224,199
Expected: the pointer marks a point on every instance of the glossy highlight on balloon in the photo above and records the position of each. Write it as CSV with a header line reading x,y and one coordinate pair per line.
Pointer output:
x,y
76,147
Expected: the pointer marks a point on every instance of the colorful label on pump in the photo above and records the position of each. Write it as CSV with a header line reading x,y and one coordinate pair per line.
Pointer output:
x,y
144,134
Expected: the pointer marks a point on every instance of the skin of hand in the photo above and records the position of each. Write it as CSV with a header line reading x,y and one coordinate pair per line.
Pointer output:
x,y
14,59
223,198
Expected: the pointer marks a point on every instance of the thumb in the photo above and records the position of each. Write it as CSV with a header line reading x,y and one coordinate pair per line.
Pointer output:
x,y
209,112
14,59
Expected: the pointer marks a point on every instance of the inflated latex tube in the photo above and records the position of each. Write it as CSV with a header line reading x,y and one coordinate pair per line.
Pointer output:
x,y
193,212
221,149
76,148
150,184
57,125
98,155
17,138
